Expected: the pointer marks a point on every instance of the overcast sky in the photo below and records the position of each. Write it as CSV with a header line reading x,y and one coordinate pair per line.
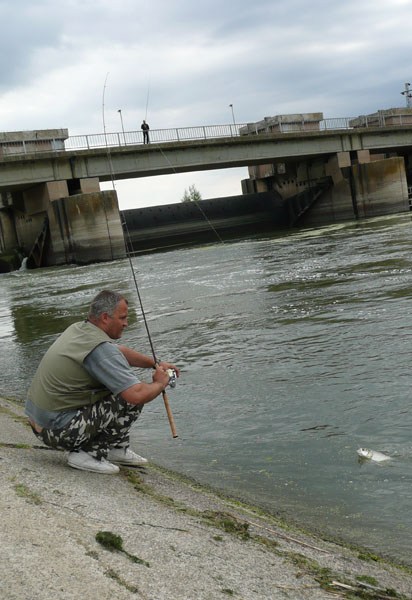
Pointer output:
x,y
182,63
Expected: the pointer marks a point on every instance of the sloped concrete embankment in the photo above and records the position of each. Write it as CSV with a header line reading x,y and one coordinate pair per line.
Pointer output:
x,y
180,541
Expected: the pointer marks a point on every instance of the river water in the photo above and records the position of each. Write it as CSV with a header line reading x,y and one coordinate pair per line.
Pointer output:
x,y
295,351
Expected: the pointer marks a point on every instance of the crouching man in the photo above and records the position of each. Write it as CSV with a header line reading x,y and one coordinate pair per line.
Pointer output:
x,y
85,396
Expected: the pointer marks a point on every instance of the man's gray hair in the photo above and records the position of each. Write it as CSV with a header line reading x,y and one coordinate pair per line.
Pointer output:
x,y
105,302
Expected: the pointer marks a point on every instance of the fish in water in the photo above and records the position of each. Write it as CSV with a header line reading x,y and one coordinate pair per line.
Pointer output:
x,y
373,455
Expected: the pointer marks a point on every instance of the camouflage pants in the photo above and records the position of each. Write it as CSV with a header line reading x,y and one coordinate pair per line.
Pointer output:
x,y
95,428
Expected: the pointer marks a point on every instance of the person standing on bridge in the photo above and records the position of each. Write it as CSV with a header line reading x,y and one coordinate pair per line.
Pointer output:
x,y
145,128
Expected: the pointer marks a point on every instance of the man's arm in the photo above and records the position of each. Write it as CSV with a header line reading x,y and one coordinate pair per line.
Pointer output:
x,y
110,366
141,393
136,359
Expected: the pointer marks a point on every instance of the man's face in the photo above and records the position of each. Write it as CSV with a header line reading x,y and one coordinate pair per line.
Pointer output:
x,y
115,324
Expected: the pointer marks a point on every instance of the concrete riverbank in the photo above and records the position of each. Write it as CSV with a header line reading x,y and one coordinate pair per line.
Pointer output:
x,y
181,541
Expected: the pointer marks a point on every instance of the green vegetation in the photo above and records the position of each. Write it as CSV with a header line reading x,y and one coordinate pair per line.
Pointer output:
x,y
140,486
24,492
367,579
193,195
228,523
114,543
116,577
368,556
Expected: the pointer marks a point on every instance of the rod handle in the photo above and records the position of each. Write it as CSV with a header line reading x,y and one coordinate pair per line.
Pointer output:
x,y
169,415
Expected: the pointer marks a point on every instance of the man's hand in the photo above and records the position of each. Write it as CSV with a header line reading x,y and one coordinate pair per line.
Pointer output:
x,y
160,375
141,393
167,365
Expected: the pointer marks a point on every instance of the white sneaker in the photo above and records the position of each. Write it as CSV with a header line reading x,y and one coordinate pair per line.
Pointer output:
x,y
85,462
125,456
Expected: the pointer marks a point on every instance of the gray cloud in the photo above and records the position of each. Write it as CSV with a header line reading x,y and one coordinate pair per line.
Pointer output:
x,y
185,62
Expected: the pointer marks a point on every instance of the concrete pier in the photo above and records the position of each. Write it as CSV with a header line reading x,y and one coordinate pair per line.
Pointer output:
x,y
362,183
57,221
85,228
52,228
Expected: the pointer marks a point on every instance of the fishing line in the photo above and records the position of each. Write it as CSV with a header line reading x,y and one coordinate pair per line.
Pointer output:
x,y
147,99
194,201
127,238
159,147
129,248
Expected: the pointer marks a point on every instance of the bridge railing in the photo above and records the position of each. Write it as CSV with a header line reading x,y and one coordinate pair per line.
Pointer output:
x,y
202,132
207,132
131,138
184,134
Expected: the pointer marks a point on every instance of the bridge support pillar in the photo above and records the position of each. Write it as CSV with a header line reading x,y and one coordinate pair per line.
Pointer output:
x,y
83,223
8,235
364,185
380,187
85,228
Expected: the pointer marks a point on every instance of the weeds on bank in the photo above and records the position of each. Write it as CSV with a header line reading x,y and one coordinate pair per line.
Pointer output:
x,y
368,556
17,446
116,577
227,522
219,519
139,485
365,587
114,543
24,492
367,579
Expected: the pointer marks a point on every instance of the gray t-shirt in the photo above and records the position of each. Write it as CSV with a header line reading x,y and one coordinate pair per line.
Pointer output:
x,y
106,364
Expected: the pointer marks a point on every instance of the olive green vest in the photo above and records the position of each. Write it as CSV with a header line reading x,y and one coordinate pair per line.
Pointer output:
x,y
61,382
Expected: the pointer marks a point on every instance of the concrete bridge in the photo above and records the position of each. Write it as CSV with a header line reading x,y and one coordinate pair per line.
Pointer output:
x,y
49,176
24,169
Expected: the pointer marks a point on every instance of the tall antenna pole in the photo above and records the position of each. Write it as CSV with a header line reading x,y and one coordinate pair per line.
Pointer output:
x,y
408,93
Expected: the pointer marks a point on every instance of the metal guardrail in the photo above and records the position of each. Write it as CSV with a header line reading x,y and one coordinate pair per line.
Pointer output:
x,y
203,132
132,138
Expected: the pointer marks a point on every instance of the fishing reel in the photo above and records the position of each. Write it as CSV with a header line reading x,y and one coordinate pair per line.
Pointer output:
x,y
172,377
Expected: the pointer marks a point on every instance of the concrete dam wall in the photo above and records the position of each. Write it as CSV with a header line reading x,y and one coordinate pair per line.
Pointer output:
x,y
207,220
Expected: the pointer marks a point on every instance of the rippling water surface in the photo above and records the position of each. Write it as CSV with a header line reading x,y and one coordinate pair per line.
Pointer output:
x,y
295,351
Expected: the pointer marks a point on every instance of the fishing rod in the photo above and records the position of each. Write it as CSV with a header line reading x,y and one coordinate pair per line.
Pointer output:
x,y
171,373
159,147
147,100
129,250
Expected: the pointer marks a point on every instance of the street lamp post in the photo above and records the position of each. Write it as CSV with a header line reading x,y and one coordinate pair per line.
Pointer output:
x,y
121,120
233,118
233,114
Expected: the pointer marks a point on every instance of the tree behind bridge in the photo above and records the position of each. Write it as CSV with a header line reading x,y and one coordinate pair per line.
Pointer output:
x,y
193,195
